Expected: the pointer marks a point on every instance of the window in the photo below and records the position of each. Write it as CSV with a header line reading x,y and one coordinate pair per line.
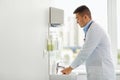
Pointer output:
x,y
72,34
107,15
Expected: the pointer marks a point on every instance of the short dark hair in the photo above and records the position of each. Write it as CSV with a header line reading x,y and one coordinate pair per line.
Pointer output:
x,y
83,10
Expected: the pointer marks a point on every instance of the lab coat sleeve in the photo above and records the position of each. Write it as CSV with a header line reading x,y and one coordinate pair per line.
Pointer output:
x,y
93,38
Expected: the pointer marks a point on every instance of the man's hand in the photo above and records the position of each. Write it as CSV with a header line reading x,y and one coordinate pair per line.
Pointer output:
x,y
67,70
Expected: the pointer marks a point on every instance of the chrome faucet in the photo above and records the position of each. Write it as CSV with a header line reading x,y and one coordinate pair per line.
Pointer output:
x,y
58,66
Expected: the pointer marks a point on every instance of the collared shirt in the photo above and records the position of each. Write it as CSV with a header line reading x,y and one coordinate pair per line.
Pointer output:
x,y
86,27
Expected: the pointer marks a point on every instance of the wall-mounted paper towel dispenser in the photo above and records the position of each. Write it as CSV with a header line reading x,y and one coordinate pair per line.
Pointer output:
x,y
56,16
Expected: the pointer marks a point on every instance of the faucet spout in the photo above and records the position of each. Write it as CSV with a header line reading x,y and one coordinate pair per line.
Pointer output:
x,y
58,66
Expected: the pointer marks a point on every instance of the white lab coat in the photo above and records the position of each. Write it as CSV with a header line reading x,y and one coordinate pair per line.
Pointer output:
x,y
97,55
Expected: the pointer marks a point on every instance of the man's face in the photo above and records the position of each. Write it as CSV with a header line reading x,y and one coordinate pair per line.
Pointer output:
x,y
80,20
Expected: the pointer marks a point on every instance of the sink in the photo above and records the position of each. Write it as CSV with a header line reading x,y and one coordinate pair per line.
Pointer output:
x,y
63,77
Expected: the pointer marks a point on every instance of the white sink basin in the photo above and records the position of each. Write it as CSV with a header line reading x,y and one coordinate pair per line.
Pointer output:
x,y
63,77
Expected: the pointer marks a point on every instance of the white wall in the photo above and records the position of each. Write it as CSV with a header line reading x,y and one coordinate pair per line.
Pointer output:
x,y
23,29
118,24
112,27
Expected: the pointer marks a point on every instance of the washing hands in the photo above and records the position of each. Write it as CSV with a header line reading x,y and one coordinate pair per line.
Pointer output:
x,y
67,70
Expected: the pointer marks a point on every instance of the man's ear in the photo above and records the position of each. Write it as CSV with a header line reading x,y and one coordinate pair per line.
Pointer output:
x,y
85,16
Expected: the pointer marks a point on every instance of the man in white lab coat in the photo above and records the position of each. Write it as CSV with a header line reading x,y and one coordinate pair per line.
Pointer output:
x,y
95,52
